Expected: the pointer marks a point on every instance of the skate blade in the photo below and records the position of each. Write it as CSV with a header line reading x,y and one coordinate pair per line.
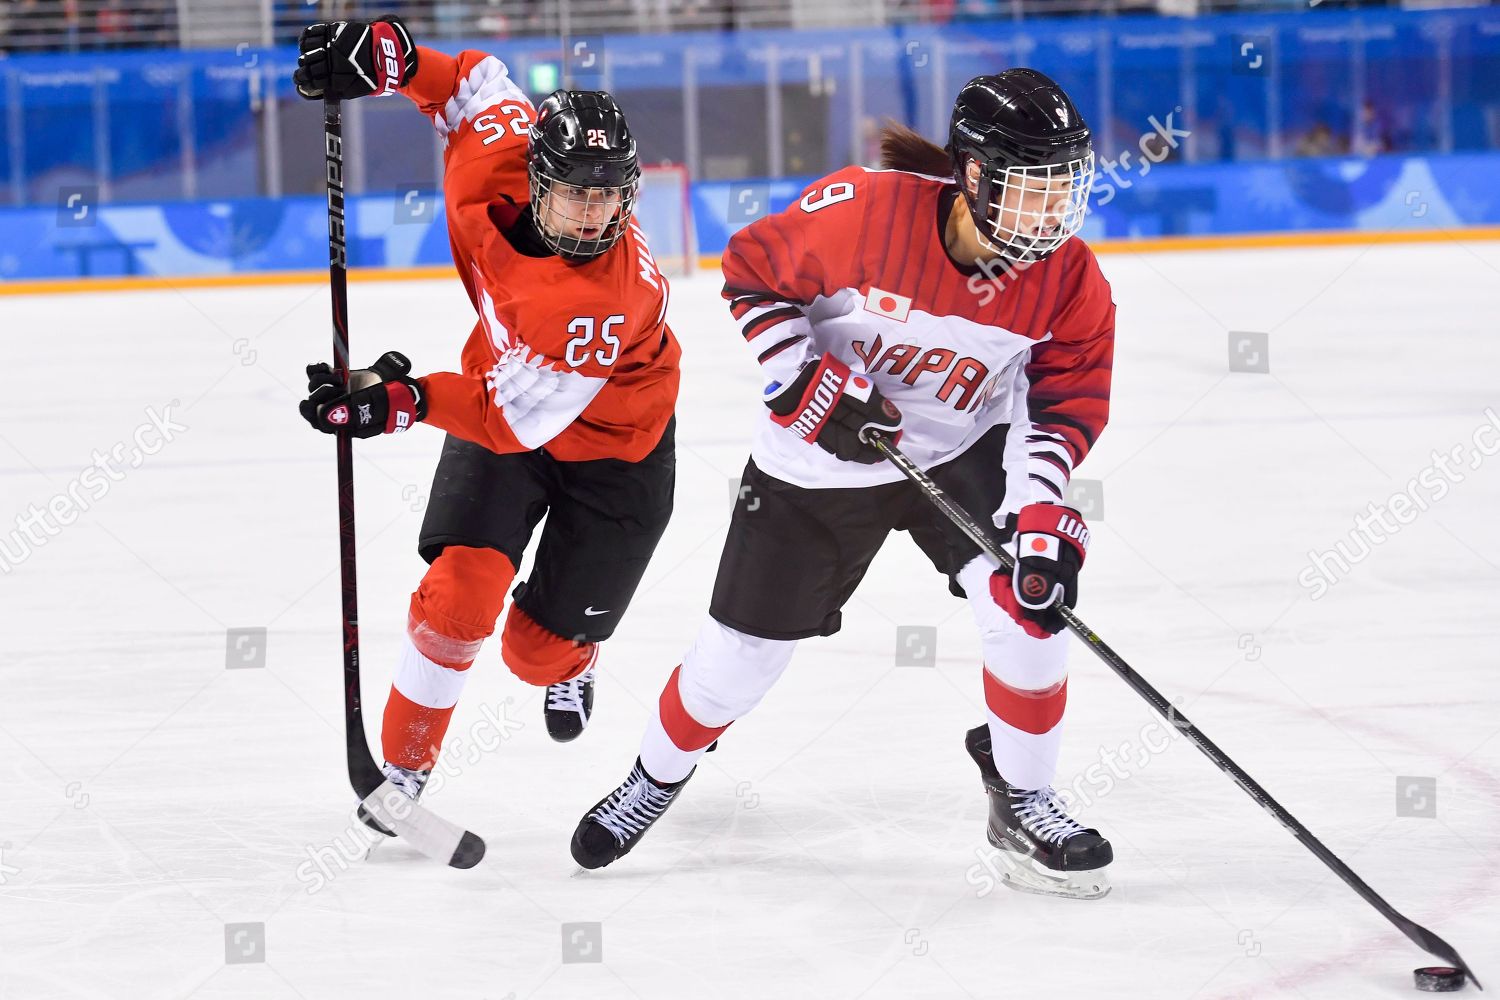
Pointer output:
x,y
1024,875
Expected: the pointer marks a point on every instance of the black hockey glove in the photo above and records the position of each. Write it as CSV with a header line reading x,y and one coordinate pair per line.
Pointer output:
x,y
829,405
1049,542
348,59
381,399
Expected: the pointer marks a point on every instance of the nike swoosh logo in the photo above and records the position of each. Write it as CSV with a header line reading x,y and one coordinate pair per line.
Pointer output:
x,y
590,611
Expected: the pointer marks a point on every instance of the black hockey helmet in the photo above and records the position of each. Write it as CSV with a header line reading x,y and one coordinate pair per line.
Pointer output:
x,y
1028,138
584,172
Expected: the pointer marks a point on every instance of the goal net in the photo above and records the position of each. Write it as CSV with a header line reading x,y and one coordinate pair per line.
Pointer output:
x,y
665,214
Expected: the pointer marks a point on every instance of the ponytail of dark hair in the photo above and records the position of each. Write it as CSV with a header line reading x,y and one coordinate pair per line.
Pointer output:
x,y
902,148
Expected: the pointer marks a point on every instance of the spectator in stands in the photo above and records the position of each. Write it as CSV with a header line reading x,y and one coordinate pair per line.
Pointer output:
x,y
40,24
1371,136
1319,141
111,25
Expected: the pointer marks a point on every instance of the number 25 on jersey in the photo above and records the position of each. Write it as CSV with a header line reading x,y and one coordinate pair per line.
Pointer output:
x,y
602,347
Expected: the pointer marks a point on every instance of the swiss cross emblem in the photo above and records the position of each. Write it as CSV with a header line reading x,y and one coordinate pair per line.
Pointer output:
x,y
338,415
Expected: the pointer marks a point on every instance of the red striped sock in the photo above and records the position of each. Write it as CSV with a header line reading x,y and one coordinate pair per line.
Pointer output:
x,y
1033,712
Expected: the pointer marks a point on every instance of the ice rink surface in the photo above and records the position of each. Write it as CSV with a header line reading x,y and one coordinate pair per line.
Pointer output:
x,y
833,846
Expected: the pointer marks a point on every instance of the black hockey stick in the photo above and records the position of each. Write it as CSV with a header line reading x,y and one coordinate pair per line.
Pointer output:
x,y
423,829
1420,936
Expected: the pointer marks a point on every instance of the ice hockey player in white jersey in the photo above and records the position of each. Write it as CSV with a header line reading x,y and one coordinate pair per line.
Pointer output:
x,y
947,301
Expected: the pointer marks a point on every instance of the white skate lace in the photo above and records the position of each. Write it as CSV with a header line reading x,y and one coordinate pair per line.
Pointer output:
x,y
568,696
1043,816
633,806
410,782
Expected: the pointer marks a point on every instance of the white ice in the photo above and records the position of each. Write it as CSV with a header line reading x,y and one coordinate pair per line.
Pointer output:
x,y
833,847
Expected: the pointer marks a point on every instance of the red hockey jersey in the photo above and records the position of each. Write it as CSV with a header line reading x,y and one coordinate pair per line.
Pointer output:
x,y
574,358
857,267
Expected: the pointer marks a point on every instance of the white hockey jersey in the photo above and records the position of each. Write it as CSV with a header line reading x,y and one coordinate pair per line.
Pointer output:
x,y
856,268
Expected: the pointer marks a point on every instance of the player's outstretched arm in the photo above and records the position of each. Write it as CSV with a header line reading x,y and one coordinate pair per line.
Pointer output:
x,y
519,405
483,119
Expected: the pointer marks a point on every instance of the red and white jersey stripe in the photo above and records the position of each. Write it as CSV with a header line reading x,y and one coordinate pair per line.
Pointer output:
x,y
857,268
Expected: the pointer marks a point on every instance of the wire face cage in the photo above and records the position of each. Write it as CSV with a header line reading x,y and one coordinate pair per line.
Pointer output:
x,y
582,222
1033,210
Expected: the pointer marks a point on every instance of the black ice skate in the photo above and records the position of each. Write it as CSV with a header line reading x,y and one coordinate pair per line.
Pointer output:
x,y
411,783
613,827
569,706
1043,849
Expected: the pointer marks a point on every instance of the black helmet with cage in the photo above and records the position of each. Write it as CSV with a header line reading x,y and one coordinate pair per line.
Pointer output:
x,y
1036,162
584,173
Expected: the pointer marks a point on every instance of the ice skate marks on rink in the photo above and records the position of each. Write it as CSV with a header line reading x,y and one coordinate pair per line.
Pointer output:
x,y
168,813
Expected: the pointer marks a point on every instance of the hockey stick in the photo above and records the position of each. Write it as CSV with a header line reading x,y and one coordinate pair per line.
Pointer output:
x,y
423,829
1419,935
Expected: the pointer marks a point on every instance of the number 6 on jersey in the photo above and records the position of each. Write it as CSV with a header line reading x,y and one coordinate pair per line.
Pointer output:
x,y
581,346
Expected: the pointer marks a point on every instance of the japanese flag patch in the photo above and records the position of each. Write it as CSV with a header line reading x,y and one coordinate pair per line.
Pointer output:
x,y
1038,545
887,304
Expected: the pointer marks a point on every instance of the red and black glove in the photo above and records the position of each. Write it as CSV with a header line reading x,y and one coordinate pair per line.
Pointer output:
x,y
348,59
380,399
829,405
1050,543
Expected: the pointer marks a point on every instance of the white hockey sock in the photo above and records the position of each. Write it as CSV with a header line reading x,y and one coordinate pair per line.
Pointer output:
x,y
1024,760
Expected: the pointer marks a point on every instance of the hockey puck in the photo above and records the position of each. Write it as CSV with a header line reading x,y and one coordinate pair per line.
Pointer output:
x,y
1439,979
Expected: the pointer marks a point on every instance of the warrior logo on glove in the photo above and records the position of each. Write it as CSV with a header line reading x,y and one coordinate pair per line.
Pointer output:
x,y
1050,542
828,405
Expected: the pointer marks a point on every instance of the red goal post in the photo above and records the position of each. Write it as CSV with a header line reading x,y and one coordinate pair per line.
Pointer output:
x,y
664,212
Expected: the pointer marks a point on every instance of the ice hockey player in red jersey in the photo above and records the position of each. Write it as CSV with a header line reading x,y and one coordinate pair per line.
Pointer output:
x,y
947,301
563,405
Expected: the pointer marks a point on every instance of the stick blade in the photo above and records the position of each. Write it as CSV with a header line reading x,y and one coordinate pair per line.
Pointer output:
x,y
1438,948
423,829
469,852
